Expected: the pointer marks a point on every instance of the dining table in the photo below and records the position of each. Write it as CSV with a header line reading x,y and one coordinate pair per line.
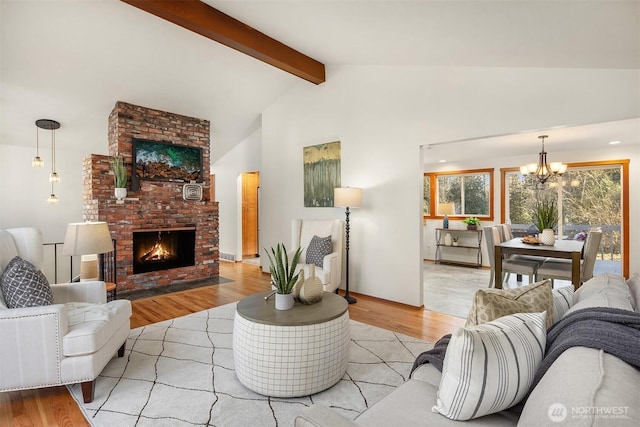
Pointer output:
x,y
564,249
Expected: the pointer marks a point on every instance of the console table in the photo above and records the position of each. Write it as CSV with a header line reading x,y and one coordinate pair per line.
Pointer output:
x,y
474,235
288,353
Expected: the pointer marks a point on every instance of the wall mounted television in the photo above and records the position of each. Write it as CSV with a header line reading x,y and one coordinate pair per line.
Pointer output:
x,y
165,161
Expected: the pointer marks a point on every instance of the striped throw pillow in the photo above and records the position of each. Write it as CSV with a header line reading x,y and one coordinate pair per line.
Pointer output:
x,y
490,367
562,301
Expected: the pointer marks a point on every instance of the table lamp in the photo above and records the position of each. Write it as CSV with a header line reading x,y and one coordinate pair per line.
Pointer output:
x,y
446,209
347,197
87,238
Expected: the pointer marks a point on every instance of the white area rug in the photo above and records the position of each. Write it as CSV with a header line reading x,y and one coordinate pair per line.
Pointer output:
x,y
180,373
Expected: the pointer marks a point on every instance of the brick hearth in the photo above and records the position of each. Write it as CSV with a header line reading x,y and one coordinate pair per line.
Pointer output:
x,y
157,204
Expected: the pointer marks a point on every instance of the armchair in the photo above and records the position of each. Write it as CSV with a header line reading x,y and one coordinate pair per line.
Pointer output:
x,y
302,232
60,343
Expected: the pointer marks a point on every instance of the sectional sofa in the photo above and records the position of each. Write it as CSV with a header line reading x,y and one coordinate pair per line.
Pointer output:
x,y
583,386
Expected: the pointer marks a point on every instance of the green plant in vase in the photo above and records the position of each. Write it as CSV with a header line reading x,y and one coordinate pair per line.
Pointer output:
x,y
283,275
282,272
119,176
546,215
472,222
546,218
119,171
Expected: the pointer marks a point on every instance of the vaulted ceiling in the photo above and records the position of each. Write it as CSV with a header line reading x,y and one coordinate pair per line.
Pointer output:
x,y
72,60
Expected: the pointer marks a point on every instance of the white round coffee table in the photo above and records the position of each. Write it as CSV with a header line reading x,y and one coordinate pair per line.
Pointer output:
x,y
293,352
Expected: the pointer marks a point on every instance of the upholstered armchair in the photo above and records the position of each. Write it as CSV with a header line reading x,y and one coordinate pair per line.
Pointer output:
x,y
69,341
325,251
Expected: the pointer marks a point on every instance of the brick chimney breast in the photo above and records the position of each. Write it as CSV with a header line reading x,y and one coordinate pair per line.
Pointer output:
x,y
156,204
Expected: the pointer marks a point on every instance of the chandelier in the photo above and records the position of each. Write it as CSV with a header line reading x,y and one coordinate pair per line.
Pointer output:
x,y
543,171
37,162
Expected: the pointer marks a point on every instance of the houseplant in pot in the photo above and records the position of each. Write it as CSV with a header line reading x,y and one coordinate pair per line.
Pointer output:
x,y
546,218
472,222
283,276
119,176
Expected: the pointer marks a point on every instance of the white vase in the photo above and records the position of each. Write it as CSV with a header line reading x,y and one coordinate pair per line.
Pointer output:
x,y
296,288
284,301
120,193
547,237
447,239
311,291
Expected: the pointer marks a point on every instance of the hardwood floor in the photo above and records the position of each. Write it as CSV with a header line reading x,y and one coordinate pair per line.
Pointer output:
x,y
54,406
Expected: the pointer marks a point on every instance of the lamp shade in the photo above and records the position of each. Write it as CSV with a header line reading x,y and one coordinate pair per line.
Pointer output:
x,y
347,197
446,208
85,238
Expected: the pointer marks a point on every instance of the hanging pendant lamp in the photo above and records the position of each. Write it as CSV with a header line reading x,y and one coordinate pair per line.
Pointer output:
x,y
542,171
37,161
54,177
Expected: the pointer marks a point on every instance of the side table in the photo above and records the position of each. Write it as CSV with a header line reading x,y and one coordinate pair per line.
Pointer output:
x,y
294,352
111,291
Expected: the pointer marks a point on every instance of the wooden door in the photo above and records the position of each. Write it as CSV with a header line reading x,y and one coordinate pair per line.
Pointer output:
x,y
250,184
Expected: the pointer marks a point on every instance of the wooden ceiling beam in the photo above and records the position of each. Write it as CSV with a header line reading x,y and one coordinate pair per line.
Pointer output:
x,y
203,19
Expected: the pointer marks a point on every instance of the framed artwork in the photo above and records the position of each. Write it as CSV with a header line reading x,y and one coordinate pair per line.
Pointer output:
x,y
321,174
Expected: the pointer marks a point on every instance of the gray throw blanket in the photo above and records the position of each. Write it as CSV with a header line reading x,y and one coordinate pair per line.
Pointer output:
x,y
435,356
613,330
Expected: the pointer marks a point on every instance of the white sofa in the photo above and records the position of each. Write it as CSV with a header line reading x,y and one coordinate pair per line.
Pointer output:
x,y
59,343
302,231
593,388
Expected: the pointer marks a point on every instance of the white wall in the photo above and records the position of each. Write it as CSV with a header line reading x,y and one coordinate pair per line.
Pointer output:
x,y
245,157
382,115
24,190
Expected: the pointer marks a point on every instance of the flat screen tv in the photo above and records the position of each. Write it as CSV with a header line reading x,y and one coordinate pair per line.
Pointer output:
x,y
165,161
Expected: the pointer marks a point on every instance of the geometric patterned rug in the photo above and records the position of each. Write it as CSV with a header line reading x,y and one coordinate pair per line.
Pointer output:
x,y
180,373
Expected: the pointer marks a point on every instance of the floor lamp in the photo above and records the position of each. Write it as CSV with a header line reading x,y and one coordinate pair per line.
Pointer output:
x,y
85,238
347,197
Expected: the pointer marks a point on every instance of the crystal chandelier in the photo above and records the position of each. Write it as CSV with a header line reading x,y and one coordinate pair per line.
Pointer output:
x,y
543,170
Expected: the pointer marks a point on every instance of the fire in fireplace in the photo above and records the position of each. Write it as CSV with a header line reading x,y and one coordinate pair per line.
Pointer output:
x,y
163,249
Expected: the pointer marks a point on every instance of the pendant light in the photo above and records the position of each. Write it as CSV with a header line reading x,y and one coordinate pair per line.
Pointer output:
x,y
53,199
54,178
543,171
37,161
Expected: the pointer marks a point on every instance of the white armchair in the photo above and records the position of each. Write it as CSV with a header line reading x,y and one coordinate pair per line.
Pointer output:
x,y
60,343
302,231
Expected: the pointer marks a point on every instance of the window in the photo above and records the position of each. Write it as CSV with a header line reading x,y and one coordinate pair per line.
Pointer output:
x,y
588,195
426,203
459,193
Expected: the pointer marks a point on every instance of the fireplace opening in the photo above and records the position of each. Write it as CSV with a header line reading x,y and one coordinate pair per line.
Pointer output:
x,y
163,249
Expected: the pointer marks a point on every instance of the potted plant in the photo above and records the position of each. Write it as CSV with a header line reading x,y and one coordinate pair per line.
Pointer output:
x,y
119,176
283,275
455,240
472,222
546,218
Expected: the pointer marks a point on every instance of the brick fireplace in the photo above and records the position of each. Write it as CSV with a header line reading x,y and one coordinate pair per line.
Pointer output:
x,y
157,208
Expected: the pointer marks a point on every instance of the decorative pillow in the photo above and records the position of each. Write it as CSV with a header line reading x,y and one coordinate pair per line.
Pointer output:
x,y
490,367
24,285
318,248
634,289
3,304
490,304
562,301
606,281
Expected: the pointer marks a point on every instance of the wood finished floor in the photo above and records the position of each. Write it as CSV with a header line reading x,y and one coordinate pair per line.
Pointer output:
x,y
54,406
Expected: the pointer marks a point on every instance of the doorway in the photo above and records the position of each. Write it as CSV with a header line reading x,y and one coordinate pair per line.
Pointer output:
x,y
250,212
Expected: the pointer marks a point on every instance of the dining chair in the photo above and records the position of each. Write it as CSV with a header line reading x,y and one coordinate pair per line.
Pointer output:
x,y
507,234
561,269
515,266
